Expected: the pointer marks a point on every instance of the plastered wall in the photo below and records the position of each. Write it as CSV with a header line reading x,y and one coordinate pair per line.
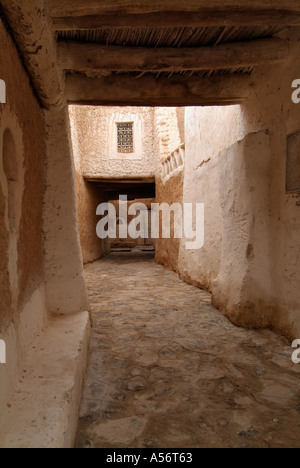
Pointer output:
x,y
89,196
169,130
22,117
94,131
236,165
169,134
95,153
167,250
23,306
40,263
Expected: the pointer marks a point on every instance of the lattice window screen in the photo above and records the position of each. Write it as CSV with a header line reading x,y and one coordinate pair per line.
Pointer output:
x,y
125,137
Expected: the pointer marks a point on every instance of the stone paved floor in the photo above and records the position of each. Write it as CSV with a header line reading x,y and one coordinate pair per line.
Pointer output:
x,y
167,370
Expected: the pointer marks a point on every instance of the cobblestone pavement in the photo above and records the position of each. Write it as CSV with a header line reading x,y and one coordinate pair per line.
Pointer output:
x,y
167,370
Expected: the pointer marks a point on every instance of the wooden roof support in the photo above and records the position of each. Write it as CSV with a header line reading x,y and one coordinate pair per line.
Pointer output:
x,y
90,14
122,90
92,57
174,20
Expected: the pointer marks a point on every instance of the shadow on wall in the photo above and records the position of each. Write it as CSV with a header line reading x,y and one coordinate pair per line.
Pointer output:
x,y
12,186
236,163
10,166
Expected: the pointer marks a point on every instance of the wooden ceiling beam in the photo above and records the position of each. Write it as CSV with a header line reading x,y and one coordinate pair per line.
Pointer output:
x,y
110,7
122,90
78,56
175,20
90,14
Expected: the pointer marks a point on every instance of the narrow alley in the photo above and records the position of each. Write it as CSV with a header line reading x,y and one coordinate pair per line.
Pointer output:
x,y
167,369
149,224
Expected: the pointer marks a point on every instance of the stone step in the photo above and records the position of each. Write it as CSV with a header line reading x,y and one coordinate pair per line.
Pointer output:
x,y
43,411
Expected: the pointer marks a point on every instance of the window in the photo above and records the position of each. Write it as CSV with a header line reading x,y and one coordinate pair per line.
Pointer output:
x,y
293,163
125,137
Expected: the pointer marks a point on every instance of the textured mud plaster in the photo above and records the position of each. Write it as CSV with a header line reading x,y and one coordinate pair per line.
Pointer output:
x,y
6,295
23,169
63,259
169,134
12,181
33,34
180,111
94,139
63,263
244,281
264,216
93,129
167,250
89,196
21,122
27,131
168,130
23,306
43,409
